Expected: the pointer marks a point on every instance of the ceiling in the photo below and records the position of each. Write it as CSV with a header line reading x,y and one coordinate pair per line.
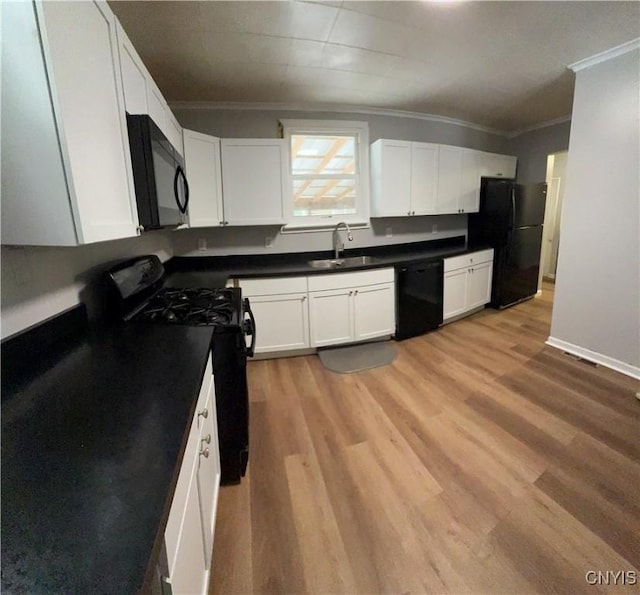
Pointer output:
x,y
499,65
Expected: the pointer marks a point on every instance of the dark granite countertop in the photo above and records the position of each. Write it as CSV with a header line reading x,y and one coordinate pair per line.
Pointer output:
x,y
92,439
213,271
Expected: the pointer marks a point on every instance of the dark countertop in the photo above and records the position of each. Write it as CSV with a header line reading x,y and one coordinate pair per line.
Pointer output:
x,y
91,444
213,271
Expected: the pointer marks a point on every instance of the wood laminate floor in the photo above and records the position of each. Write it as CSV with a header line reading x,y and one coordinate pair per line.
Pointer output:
x,y
480,461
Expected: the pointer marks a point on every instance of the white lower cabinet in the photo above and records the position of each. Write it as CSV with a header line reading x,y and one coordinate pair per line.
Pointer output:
x,y
188,537
467,283
281,309
348,307
331,317
294,313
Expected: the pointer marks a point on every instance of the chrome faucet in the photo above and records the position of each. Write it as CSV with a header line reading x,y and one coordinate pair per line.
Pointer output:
x,y
338,244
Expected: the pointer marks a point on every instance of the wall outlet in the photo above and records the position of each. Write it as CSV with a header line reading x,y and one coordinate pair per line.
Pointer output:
x,y
268,242
389,233
434,228
202,244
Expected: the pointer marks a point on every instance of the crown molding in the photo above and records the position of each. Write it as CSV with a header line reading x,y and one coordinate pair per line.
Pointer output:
x,y
614,52
320,107
560,120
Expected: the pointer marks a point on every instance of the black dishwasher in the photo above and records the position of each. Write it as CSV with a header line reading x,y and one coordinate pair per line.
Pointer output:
x,y
419,290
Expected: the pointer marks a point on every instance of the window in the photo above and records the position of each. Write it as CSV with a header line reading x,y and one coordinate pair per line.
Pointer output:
x,y
329,172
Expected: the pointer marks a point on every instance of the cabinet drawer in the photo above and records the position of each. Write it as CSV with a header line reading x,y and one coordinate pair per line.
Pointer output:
x,y
273,286
466,260
345,280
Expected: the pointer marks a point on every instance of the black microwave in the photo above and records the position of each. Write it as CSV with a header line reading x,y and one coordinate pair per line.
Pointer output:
x,y
162,191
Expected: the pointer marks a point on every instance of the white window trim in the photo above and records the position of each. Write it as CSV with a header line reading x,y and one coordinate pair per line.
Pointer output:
x,y
361,131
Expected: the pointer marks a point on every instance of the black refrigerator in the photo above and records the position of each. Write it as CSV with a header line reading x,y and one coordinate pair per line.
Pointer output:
x,y
510,221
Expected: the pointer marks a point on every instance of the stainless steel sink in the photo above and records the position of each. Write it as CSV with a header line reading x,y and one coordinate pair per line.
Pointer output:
x,y
341,263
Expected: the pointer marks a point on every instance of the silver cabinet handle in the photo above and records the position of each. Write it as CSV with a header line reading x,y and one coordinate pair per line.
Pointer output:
x,y
207,439
204,413
304,297
351,293
221,222
356,292
205,453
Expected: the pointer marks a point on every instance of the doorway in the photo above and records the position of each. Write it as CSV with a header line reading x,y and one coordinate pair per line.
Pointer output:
x,y
556,177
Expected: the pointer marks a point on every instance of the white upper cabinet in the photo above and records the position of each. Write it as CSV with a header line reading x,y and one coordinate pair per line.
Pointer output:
x,y
493,165
254,175
449,179
411,178
66,180
424,178
390,178
469,201
202,164
142,95
403,178
234,181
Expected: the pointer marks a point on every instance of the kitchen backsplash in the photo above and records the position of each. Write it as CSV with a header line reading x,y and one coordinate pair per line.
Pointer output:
x,y
253,240
38,282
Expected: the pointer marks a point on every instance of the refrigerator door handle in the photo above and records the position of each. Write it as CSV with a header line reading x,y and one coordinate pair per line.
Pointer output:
x,y
513,207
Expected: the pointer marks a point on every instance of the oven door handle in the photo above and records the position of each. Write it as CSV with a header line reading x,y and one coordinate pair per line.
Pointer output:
x,y
250,327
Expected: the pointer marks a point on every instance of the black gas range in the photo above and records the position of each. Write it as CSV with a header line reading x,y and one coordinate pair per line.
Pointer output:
x,y
141,295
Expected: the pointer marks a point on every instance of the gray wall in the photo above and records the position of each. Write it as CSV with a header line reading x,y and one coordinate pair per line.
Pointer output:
x,y
597,299
532,148
41,282
251,240
264,124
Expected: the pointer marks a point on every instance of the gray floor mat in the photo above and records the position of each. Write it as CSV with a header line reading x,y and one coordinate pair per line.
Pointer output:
x,y
346,360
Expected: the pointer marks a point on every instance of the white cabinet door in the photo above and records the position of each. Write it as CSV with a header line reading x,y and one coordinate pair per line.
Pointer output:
x,y
134,75
157,106
424,178
455,293
208,475
282,322
174,131
479,285
498,166
202,163
254,172
470,191
391,178
189,573
373,311
84,69
449,178
330,317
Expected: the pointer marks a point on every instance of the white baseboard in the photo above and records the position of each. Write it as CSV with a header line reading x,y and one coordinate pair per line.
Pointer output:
x,y
595,357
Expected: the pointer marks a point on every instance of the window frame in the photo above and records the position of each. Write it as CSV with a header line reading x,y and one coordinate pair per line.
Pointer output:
x,y
358,129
